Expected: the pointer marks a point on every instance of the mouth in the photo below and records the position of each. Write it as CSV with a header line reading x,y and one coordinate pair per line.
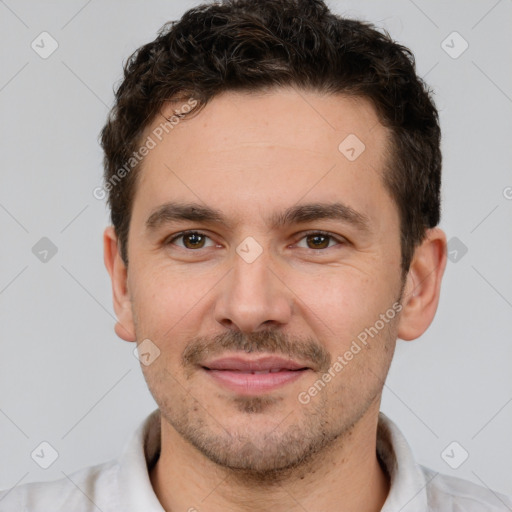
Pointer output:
x,y
254,376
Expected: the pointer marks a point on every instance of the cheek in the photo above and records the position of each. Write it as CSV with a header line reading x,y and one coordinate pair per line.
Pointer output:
x,y
162,299
339,305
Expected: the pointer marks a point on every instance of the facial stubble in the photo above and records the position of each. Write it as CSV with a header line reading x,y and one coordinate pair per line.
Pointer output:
x,y
295,439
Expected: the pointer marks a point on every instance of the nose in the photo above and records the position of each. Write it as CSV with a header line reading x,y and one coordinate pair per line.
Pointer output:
x,y
253,297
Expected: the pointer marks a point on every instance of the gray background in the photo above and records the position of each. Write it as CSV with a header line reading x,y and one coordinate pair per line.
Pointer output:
x,y
66,379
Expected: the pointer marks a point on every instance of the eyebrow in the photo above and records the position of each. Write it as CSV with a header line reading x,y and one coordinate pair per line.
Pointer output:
x,y
298,214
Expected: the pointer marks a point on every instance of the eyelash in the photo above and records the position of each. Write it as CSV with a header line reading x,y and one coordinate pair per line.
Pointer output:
x,y
339,240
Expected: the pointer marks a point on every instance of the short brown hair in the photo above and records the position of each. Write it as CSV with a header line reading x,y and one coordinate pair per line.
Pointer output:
x,y
259,44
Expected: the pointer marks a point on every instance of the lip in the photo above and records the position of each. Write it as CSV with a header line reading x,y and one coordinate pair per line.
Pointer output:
x,y
254,376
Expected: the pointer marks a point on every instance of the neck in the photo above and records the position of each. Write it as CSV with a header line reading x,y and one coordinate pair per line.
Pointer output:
x,y
347,476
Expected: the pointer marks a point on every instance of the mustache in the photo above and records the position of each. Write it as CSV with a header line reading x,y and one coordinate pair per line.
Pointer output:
x,y
273,342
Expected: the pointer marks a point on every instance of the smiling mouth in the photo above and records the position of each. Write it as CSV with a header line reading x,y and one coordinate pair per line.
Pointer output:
x,y
254,376
257,372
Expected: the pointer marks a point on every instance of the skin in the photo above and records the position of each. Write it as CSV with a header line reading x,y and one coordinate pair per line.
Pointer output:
x,y
251,155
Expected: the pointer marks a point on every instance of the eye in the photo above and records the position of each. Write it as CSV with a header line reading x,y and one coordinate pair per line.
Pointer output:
x,y
317,240
190,240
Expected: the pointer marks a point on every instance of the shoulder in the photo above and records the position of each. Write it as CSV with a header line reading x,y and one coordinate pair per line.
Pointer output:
x,y
90,489
451,494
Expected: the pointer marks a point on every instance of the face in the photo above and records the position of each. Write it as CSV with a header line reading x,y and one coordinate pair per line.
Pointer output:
x,y
263,258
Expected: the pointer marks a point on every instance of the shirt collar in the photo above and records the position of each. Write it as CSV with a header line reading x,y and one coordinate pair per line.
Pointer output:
x,y
407,481
140,454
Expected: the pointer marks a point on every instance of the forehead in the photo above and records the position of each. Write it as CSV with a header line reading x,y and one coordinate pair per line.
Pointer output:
x,y
260,149
281,116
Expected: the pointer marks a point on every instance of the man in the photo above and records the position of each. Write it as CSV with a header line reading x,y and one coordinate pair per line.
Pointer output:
x,y
273,173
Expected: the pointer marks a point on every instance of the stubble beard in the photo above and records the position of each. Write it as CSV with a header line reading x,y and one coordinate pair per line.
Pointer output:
x,y
261,457
283,452
295,442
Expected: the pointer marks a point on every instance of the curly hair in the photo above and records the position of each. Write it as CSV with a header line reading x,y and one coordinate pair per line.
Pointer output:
x,y
255,45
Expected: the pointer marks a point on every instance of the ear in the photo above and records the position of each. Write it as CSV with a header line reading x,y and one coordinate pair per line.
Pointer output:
x,y
423,286
125,327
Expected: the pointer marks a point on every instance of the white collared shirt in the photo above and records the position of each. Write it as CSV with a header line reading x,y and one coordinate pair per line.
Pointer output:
x,y
123,484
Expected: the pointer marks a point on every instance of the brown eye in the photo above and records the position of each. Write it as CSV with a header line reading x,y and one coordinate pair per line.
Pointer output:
x,y
193,240
190,240
318,241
